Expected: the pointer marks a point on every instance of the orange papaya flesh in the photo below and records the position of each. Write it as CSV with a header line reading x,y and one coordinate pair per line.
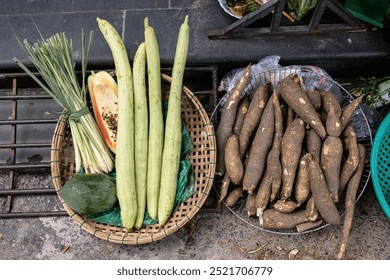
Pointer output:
x,y
103,91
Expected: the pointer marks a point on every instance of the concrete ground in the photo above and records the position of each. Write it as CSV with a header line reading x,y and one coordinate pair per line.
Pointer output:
x,y
214,233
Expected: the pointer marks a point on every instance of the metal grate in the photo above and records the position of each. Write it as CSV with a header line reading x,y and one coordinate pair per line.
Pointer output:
x,y
27,120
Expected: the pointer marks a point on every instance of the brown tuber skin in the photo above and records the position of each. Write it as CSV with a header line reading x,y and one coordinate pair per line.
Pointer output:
x,y
224,187
329,100
271,181
260,147
290,116
302,182
347,111
297,99
331,157
333,113
333,123
311,210
291,154
228,117
274,164
313,144
351,163
321,194
285,206
233,163
253,117
272,219
308,226
263,195
273,173
350,198
322,115
250,205
241,114
234,196
315,98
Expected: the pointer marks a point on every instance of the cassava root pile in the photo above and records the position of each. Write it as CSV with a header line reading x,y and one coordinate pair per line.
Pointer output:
x,y
294,158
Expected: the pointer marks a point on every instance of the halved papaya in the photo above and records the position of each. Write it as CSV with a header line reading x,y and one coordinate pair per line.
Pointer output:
x,y
103,90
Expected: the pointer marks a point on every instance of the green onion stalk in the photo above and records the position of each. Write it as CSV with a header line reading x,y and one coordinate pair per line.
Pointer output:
x,y
53,58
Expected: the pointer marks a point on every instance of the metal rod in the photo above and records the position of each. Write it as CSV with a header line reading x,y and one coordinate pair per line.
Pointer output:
x,y
289,31
24,145
11,174
15,75
24,166
15,215
277,16
254,16
17,122
24,97
339,10
202,92
27,191
317,14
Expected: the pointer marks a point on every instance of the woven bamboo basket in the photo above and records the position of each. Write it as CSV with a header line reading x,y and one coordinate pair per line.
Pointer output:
x,y
202,158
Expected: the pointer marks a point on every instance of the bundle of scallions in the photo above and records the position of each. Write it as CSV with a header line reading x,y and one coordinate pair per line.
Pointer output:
x,y
53,59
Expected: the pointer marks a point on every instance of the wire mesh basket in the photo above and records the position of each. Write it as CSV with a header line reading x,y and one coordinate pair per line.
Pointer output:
x,y
202,158
313,79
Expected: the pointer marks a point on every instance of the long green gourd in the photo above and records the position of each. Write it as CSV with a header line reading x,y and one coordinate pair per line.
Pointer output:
x,y
172,141
156,125
124,161
141,130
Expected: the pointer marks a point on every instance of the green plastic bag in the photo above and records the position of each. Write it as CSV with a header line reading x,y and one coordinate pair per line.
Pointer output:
x,y
185,185
300,8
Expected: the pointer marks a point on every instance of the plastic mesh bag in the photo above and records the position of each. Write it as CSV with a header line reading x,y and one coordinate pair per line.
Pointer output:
x,y
231,78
